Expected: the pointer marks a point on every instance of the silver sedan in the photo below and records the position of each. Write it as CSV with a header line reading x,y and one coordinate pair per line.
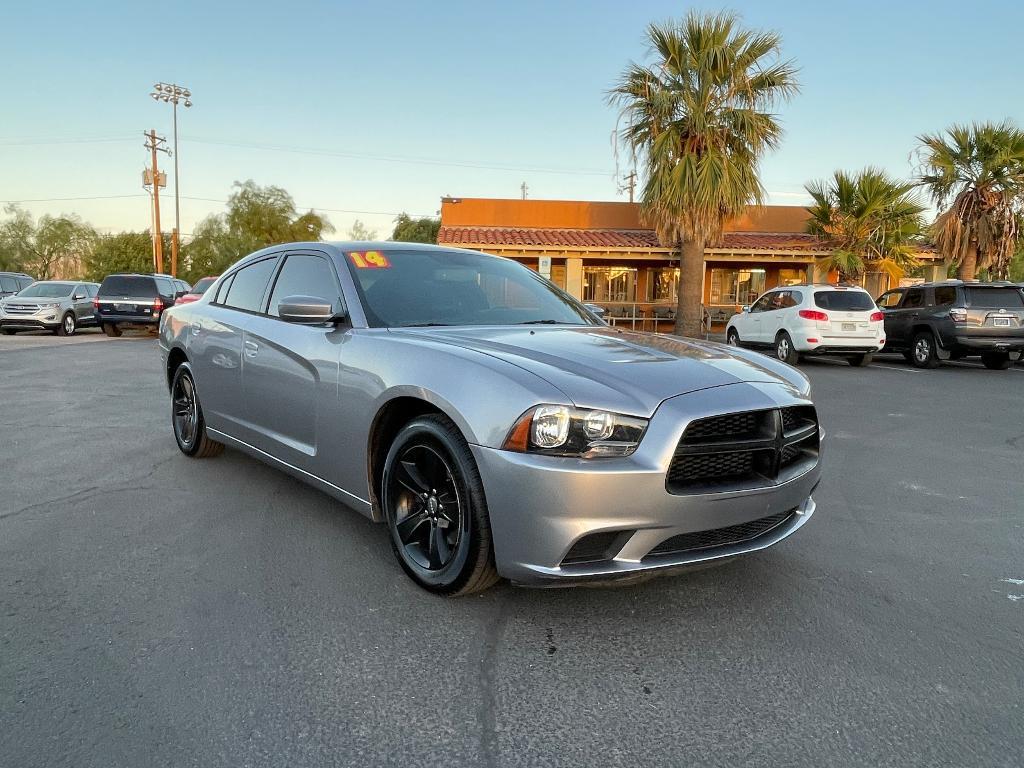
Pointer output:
x,y
496,425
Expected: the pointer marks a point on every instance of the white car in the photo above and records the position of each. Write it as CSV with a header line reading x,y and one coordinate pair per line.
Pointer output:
x,y
811,319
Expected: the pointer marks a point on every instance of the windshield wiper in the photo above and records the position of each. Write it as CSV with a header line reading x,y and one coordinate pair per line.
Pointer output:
x,y
422,325
541,322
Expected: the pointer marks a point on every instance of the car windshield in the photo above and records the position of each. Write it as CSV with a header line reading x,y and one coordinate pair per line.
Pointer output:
x,y
129,285
442,287
995,298
201,286
844,301
47,291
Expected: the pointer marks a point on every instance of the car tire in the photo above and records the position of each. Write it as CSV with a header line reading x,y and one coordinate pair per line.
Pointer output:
x,y
443,549
923,353
784,349
187,420
996,361
67,325
111,330
859,361
732,338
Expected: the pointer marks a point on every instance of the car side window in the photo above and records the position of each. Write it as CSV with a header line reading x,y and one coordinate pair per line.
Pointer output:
x,y
9,284
796,298
761,305
305,274
779,299
250,285
222,289
890,300
915,298
945,294
165,287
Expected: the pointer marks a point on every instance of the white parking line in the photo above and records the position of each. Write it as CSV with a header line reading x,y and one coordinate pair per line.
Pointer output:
x,y
894,368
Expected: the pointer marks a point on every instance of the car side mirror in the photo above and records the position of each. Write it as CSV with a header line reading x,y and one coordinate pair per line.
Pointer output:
x,y
309,310
597,310
744,309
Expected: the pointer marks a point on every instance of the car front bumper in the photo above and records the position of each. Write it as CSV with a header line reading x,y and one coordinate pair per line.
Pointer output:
x,y
541,506
47,319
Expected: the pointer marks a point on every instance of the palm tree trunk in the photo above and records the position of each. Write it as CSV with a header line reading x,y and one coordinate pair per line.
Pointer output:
x,y
969,266
691,288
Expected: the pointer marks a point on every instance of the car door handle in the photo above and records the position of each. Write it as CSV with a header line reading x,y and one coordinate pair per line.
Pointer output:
x,y
251,348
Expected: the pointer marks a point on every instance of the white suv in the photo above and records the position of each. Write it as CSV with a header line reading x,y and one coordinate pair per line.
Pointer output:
x,y
812,319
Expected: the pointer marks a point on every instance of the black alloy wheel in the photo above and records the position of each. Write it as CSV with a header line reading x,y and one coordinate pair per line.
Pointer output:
x,y
434,504
111,330
187,417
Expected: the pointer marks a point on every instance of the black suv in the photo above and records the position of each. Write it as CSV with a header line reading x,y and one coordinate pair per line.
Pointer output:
x,y
134,301
12,282
953,319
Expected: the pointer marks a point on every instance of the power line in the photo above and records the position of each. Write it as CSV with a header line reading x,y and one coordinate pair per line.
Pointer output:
x,y
61,199
44,142
483,165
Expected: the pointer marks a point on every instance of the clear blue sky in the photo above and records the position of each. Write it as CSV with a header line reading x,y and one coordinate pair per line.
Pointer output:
x,y
468,84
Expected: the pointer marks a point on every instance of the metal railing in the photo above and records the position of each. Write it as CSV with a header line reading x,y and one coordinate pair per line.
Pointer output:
x,y
658,317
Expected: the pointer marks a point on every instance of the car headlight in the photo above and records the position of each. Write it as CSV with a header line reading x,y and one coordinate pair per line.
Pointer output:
x,y
50,305
558,430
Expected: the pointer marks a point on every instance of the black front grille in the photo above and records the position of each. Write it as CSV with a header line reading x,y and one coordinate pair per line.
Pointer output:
x,y
742,450
720,537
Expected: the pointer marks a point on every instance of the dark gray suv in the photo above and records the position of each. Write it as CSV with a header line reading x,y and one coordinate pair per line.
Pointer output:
x,y
952,319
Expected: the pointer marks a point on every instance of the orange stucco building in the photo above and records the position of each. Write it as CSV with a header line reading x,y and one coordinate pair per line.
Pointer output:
x,y
601,252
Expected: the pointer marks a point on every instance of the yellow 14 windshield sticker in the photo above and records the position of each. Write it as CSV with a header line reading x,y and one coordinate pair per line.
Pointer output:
x,y
369,260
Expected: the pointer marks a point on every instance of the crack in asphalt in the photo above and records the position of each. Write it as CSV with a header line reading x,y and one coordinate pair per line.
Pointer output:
x,y
487,719
84,494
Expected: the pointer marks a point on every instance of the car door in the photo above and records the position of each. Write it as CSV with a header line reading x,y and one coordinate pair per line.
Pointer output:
x,y
773,318
290,370
889,302
754,319
215,338
81,304
904,317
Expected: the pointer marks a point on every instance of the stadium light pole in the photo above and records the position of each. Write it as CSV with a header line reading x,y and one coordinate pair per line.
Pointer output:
x,y
171,93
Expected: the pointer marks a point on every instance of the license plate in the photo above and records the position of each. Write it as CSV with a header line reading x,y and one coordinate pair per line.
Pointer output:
x,y
1002,322
849,326
124,307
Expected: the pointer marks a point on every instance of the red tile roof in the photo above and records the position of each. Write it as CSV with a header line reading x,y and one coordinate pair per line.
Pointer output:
x,y
617,238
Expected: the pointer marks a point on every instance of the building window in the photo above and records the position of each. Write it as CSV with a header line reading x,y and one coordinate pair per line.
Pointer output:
x,y
792,277
663,285
736,286
609,284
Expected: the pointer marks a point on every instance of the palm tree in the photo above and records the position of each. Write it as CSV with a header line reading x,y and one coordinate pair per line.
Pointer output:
x,y
697,121
975,175
872,221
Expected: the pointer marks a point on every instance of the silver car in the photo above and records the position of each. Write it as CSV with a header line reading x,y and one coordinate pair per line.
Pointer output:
x,y
493,423
60,306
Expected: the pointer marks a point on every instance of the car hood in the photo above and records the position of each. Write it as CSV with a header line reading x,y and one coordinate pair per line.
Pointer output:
x,y
602,367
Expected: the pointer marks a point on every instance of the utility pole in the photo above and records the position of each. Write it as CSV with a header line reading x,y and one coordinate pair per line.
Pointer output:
x,y
524,189
629,183
153,143
173,93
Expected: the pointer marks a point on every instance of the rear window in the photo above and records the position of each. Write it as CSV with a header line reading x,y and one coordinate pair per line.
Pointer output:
x,y
995,298
844,301
128,285
203,284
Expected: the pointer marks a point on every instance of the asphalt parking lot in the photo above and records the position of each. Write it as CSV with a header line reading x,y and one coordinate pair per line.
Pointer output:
x,y
158,610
